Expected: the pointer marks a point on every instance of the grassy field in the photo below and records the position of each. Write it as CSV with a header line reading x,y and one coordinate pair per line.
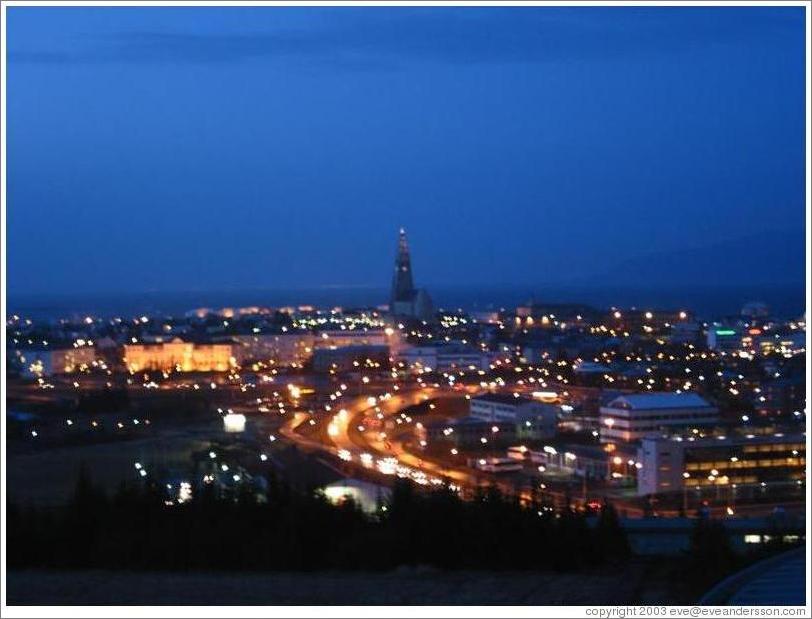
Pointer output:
x,y
640,582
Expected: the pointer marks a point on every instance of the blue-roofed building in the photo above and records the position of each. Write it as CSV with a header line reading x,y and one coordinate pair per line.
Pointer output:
x,y
632,417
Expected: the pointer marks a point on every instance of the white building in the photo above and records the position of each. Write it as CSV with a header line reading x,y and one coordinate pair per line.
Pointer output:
x,y
660,466
724,339
635,416
44,361
284,349
444,357
341,338
540,419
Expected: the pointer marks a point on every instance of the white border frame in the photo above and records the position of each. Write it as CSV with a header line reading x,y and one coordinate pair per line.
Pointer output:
x,y
369,611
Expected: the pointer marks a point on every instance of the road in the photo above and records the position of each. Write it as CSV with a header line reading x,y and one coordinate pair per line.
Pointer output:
x,y
381,449
376,449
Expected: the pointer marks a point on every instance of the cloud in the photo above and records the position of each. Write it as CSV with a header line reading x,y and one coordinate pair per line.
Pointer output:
x,y
376,38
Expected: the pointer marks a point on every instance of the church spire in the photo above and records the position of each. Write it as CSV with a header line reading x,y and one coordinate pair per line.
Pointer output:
x,y
402,284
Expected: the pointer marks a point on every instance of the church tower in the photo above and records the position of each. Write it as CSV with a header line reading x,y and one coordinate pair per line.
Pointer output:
x,y
405,299
402,283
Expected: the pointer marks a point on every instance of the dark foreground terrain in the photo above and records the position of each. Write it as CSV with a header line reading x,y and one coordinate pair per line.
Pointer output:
x,y
638,582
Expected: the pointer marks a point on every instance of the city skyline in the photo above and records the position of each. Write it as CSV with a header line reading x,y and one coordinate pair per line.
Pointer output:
x,y
377,307
330,128
783,298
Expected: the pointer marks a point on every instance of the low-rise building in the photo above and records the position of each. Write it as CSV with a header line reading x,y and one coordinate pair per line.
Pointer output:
x,y
179,356
445,357
341,338
685,332
726,340
631,417
537,422
48,361
283,349
586,461
668,465
491,407
467,432
351,358
782,396
785,344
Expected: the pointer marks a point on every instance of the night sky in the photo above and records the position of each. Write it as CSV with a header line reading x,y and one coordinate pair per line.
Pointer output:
x,y
227,148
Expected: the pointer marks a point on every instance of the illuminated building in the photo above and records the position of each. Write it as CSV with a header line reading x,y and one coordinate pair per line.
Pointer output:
x,y
668,465
443,357
225,312
538,418
781,396
467,432
405,299
635,416
787,344
724,339
284,349
234,423
180,356
537,423
685,332
590,367
340,338
485,317
351,358
365,495
546,315
580,460
651,322
45,361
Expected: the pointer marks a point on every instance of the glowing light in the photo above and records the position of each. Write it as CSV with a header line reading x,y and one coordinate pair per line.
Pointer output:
x,y
234,422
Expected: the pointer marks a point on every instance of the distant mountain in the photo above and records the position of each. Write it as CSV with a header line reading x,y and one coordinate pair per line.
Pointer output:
x,y
772,258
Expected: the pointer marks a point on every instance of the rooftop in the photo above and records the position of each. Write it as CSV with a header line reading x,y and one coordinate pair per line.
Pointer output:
x,y
649,401
501,398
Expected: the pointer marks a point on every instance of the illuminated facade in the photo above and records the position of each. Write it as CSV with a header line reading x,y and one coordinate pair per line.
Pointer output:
x,y
632,417
724,339
340,338
47,362
443,357
351,358
179,356
533,419
668,465
787,345
283,349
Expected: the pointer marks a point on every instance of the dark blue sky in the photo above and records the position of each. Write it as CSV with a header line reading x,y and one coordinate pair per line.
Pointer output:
x,y
214,148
